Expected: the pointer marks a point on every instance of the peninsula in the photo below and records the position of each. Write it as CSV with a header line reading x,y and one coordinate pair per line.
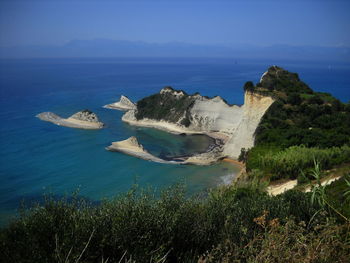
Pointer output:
x,y
177,112
84,119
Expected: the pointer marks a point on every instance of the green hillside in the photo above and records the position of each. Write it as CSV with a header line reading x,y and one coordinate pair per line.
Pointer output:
x,y
299,118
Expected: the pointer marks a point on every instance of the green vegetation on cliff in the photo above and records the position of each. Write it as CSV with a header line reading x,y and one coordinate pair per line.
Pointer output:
x,y
165,106
298,117
295,160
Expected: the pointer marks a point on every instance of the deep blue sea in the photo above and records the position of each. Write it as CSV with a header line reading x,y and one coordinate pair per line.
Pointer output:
x,y
39,157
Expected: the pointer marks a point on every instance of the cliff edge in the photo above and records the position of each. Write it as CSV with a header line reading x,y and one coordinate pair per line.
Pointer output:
x,y
238,126
176,111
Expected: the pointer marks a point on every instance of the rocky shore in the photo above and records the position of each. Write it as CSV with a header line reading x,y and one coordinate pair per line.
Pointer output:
x,y
81,120
132,147
176,112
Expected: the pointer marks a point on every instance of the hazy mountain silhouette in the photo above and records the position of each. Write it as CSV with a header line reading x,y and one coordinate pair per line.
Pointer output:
x,y
121,48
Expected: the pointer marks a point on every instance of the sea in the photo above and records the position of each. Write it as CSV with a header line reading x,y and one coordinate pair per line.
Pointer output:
x,y
38,158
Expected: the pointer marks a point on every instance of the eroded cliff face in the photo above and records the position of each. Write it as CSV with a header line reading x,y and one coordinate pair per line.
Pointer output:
x,y
255,106
208,115
178,112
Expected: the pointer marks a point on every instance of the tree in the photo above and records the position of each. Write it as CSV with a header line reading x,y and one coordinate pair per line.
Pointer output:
x,y
294,99
248,86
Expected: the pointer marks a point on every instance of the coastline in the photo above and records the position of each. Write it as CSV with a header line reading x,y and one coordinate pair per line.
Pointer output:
x,y
160,125
115,106
171,127
209,156
240,165
132,147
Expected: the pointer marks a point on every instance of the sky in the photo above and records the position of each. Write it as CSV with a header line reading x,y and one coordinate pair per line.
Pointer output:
x,y
262,23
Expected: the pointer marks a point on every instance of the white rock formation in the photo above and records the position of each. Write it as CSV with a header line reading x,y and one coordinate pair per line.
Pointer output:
x,y
177,93
255,106
132,147
124,104
209,115
82,120
85,115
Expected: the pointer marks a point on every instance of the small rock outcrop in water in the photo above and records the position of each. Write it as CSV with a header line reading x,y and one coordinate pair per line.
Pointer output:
x,y
82,120
132,141
85,115
123,104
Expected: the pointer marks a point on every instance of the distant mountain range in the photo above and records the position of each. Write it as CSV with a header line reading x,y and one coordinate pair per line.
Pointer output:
x,y
121,48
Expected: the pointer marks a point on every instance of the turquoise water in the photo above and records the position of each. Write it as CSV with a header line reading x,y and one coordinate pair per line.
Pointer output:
x,y
38,157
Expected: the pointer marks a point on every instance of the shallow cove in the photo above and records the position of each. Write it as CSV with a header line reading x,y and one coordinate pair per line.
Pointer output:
x,y
167,145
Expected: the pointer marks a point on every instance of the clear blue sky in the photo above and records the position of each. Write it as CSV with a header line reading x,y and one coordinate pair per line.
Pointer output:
x,y
322,22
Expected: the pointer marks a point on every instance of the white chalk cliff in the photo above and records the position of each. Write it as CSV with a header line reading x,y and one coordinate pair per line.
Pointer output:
x,y
253,109
177,112
214,115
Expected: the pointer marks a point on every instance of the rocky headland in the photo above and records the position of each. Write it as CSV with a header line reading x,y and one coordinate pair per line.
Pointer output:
x,y
84,119
234,126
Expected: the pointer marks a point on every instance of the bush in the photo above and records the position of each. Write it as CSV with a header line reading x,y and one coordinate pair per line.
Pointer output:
x,y
164,106
302,179
146,227
248,86
299,115
287,243
289,163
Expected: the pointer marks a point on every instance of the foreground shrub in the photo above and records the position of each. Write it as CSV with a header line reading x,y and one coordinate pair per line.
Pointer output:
x,y
147,228
290,242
